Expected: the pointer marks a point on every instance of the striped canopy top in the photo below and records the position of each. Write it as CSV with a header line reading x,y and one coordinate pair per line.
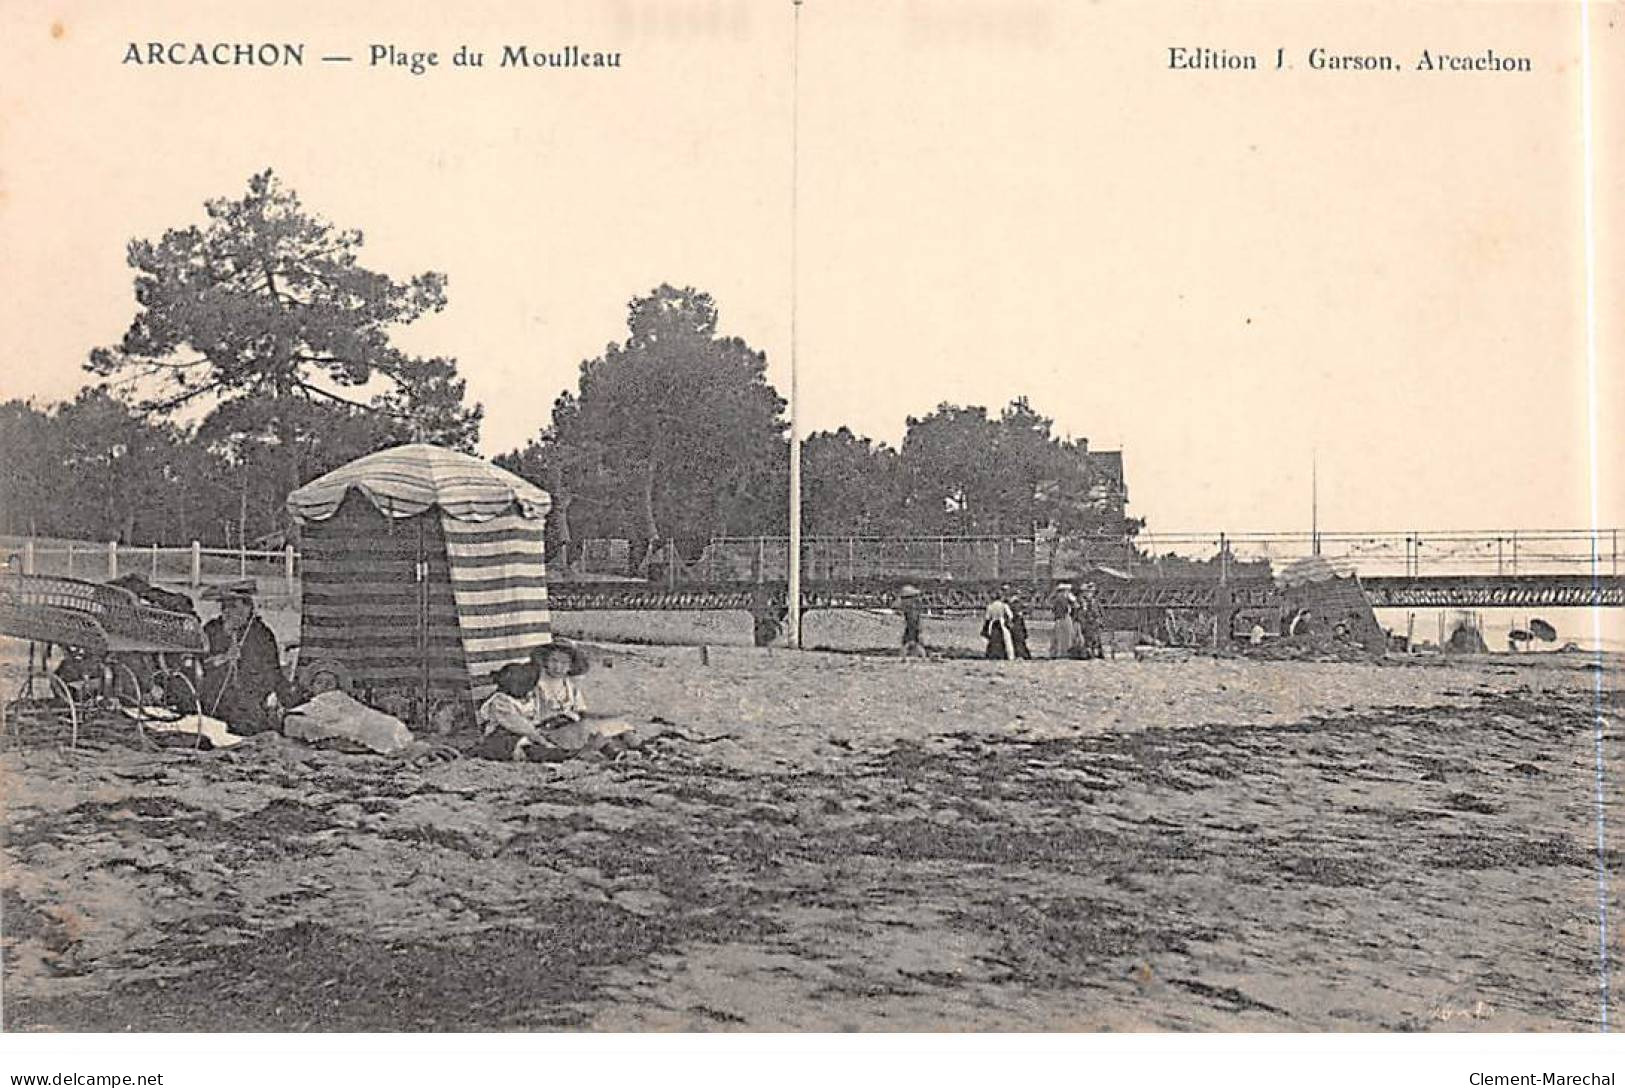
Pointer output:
x,y
404,481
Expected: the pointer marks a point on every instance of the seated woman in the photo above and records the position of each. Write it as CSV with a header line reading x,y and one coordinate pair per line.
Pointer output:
x,y
561,709
508,719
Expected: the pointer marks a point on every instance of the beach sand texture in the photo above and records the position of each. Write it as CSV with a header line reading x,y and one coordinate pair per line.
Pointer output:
x,y
857,844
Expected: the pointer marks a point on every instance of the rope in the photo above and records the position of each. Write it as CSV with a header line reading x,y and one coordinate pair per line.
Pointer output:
x,y
231,669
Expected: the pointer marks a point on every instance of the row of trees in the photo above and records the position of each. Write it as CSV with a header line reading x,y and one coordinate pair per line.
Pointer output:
x,y
97,468
676,435
260,357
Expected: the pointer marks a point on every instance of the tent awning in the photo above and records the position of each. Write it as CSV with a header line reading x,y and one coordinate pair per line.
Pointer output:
x,y
404,481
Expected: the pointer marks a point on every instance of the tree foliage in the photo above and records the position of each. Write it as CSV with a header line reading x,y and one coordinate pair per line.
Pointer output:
x,y
851,485
970,473
94,468
266,315
676,435
673,434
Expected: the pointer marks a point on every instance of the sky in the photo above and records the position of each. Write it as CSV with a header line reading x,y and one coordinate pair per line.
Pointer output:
x,y
1225,274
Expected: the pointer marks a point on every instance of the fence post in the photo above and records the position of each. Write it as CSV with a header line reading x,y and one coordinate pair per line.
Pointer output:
x,y
154,577
197,564
287,567
70,559
28,556
112,560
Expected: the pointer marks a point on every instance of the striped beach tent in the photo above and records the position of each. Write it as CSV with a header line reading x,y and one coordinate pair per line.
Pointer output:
x,y
423,574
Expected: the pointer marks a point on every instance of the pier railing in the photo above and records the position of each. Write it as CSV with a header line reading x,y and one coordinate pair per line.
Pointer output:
x,y
1180,556
1412,553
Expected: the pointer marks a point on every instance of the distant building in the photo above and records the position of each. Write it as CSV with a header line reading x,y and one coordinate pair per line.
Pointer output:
x,y
1108,491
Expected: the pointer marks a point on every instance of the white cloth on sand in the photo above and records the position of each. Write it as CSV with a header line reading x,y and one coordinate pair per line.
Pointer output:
x,y
157,719
335,716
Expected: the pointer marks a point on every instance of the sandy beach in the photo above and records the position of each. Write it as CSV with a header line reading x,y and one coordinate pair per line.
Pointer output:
x,y
848,842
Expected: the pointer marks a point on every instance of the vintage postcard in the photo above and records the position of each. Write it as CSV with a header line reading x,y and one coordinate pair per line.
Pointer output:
x,y
812,516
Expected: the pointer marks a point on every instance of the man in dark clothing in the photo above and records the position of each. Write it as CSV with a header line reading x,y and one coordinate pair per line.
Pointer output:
x,y
1091,624
1018,625
912,604
243,667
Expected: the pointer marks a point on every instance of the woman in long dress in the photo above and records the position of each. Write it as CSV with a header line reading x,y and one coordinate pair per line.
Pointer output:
x,y
1064,635
1001,646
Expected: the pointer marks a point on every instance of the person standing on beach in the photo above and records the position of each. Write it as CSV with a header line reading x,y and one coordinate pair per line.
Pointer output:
x,y
912,605
1091,621
996,630
1018,625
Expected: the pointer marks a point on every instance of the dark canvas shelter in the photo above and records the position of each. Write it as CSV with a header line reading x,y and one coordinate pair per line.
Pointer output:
x,y
423,574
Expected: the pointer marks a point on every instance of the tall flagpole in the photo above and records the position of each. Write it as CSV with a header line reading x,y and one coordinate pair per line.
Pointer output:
x,y
1314,502
793,595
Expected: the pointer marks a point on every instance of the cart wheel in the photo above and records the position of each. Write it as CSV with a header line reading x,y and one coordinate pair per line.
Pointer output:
x,y
17,709
123,687
43,698
179,689
65,693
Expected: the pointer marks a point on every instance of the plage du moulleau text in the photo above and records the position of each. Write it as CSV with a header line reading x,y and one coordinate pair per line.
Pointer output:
x,y
412,60
1208,59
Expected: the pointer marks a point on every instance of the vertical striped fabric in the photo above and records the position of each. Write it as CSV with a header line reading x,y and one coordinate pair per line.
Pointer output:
x,y
499,583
